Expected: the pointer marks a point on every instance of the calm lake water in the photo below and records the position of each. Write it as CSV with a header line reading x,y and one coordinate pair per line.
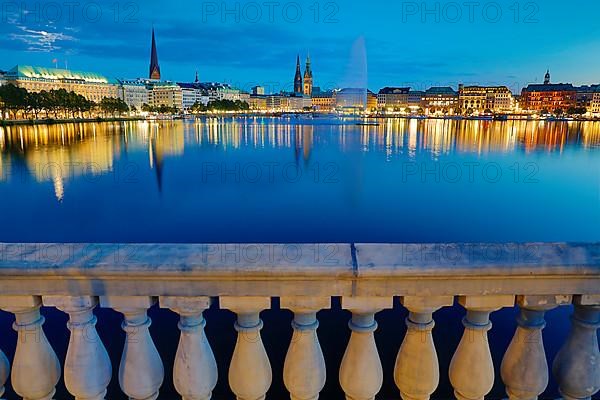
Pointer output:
x,y
290,180
287,180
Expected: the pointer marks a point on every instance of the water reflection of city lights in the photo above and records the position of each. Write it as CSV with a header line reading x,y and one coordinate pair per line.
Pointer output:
x,y
91,149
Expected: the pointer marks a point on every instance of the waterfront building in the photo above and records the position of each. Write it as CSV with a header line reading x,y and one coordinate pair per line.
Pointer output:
x,y
223,91
548,96
323,101
166,94
2,79
440,100
595,106
192,93
585,96
479,99
371,101
393,98
90,85
276,102
134,93
298,81
154,66
258,90
297,102
415,99
258,102
308,79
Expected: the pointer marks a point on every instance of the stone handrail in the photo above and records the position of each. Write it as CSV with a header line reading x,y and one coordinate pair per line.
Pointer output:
x,y
187,279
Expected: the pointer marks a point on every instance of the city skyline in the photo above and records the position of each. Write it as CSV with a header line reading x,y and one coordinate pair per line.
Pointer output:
x,y
247,53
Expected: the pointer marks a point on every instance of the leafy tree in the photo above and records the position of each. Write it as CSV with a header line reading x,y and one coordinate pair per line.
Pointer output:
x,y
558,111
198,108
113,105
228,105
147,108
14,99
576,110
35,103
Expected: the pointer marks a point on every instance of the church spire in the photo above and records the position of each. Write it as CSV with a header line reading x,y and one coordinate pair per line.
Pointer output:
x,y
308,78
154,67
298,82
197,80
547,78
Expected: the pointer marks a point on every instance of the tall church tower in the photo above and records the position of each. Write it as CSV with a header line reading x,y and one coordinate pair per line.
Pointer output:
x,y
154,67
298,83
547,78
308,78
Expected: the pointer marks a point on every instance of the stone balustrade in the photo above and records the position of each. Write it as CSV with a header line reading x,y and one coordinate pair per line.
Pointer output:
x,y
188,279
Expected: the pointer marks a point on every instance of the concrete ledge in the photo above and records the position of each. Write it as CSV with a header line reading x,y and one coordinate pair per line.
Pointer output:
x,y
274,270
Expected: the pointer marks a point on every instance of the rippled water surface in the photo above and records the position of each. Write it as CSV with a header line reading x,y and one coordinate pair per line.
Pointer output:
x,y
293,180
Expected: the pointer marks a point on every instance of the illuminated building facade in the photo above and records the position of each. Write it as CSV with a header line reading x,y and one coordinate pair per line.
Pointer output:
x,y
258,102
415,99
548,97
297,102
323,101
595,105
585,96
134,93
440,100
90,85
393,98
371,101
167,94
192,93
478,99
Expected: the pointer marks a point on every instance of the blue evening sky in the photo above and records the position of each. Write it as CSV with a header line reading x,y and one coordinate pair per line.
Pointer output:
x,y
392,43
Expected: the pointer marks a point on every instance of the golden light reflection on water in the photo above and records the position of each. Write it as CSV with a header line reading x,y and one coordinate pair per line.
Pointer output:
x,y
57,153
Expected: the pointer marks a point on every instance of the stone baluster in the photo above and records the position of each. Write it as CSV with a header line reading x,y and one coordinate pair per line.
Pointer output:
x,y
4,371
361,373
250,373
304,371
577,365
471,368
141,371
524,366
36,369
87,366
417,371
195,369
